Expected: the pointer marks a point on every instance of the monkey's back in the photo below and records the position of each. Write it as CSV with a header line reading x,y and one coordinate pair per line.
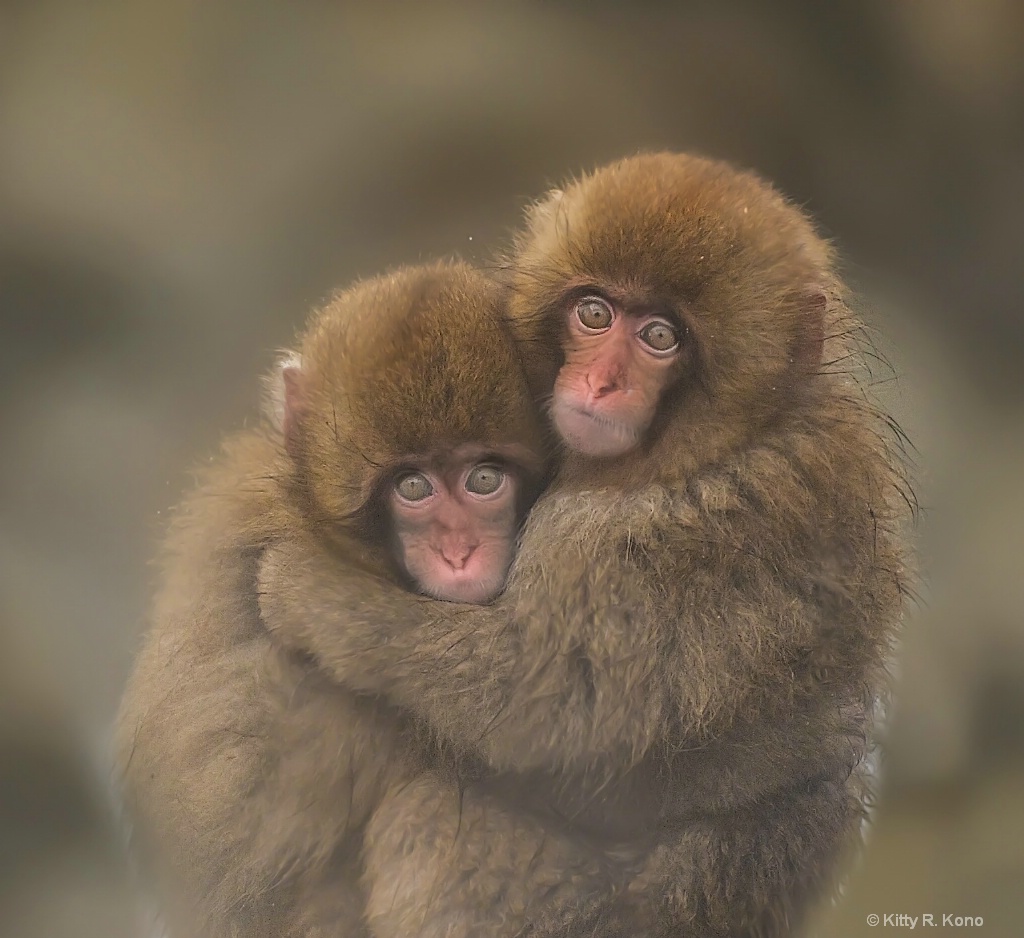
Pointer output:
x,y
236,755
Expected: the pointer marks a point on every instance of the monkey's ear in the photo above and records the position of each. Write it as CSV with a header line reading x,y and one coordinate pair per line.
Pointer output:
x,y
286,399
807,348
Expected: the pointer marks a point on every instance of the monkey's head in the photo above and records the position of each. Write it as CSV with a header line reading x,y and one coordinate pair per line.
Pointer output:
x,y
408,421
677,295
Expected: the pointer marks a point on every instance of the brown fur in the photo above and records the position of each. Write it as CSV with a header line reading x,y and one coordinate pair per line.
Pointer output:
x,y
249,775
687,658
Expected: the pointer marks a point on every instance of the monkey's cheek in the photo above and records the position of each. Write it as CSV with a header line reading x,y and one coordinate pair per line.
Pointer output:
x,y
593,434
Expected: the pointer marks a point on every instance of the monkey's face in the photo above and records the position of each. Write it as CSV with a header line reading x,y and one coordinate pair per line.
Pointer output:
x,y
617,364
454,521
688,299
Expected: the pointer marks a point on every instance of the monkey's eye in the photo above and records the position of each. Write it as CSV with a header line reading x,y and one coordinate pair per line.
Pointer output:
x,y
484,480
414,487
594,313
659,336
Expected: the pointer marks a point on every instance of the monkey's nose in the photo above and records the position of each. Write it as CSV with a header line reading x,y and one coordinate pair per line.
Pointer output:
x,y
457,555
603,382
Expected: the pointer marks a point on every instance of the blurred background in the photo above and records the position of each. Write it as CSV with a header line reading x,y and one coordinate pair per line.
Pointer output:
x,y
181,181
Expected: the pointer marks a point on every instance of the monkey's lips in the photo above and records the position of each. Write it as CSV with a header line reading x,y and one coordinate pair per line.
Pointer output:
x,y
590,432
478,581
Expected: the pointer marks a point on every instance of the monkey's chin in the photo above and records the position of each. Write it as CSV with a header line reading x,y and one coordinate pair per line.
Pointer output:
x,y
593,434
465,589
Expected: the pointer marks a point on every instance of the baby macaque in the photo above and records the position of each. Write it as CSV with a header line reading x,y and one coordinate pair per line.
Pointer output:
x,y
433,450
685,663
405,446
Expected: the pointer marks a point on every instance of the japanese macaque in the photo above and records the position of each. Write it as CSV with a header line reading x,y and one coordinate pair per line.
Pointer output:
x,y
405,445
686,660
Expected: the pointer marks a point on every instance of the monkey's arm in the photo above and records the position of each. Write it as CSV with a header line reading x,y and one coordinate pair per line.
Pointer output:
x,y
624,614
518,681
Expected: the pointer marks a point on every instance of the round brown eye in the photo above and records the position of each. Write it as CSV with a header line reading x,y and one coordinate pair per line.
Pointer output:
x,y
660,336
594,313
484,480
414,487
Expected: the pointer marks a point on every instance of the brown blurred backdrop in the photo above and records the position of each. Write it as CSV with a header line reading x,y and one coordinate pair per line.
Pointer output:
x,y
181,181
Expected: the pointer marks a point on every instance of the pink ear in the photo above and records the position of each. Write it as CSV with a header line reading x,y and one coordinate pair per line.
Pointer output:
x,y
808,347
294,405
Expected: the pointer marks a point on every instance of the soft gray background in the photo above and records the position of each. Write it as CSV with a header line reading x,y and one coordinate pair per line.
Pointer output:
x,y
181,181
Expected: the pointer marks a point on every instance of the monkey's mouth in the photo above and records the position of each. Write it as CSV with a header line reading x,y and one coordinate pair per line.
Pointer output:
x,y
466,586
592,433
479,580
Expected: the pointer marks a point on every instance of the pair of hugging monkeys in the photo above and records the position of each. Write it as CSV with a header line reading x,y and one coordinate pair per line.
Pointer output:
x,y
356,714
